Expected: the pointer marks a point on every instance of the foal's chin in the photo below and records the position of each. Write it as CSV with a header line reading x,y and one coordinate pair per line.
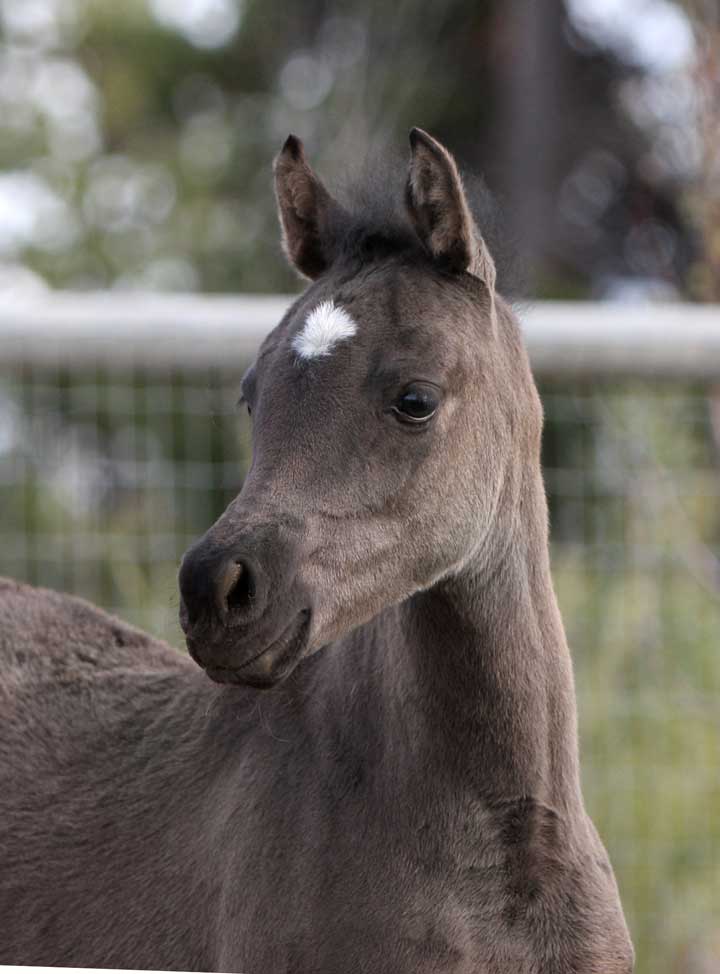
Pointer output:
x,y
233,659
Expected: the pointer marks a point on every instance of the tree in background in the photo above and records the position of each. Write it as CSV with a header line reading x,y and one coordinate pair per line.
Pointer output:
x,y
135,138
704,192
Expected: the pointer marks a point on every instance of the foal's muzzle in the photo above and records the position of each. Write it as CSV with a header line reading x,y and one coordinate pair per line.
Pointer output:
x,y
241,611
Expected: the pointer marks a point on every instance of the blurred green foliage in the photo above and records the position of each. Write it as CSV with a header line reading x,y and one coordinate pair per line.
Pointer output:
x,y
136,138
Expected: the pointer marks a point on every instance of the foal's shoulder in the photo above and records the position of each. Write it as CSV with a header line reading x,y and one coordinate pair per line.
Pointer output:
x,y
47,635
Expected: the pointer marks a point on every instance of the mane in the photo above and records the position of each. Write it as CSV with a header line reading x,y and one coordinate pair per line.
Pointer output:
x,y
376,223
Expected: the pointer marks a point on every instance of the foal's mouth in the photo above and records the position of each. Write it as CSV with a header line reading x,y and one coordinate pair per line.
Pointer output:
x,y
271,664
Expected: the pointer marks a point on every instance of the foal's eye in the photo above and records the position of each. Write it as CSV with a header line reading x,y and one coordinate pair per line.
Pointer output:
x,y
416,405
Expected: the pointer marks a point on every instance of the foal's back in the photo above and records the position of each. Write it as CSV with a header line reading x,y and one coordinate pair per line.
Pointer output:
x,y
94,759
48,637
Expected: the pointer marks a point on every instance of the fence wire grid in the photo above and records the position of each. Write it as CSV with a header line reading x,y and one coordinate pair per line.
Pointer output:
x,y
108,472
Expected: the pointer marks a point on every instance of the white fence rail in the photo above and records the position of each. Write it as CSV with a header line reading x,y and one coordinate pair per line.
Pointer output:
x,y
673,340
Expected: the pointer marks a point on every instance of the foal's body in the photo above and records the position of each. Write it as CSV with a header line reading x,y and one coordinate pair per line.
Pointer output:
x,y
340,822
405,801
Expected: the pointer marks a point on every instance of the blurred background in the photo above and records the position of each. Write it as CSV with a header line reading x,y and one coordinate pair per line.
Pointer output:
x,y
136,140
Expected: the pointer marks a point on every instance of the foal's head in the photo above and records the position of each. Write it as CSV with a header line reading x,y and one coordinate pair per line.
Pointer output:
x,y
392,412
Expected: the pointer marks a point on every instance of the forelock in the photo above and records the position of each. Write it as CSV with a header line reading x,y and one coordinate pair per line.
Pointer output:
x,y
374,224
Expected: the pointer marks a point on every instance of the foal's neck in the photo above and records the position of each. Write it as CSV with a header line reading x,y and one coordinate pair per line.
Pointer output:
x,y
490,676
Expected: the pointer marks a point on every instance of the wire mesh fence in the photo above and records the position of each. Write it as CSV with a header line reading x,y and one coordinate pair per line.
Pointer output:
x,y
109,469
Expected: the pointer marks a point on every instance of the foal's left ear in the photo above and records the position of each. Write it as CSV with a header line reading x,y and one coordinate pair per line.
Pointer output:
x,y
306,210
439,210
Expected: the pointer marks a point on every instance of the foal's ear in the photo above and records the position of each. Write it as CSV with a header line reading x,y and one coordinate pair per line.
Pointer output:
x,y
305,209
439,210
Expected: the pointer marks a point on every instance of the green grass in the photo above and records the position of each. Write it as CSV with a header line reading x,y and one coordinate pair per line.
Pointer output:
x,y
647,660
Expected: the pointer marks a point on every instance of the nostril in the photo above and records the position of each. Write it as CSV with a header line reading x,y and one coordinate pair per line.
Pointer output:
x,y
237,587
242,592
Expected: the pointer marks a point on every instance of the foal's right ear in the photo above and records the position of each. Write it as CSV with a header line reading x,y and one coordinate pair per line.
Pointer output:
x,y
305,209
439,210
